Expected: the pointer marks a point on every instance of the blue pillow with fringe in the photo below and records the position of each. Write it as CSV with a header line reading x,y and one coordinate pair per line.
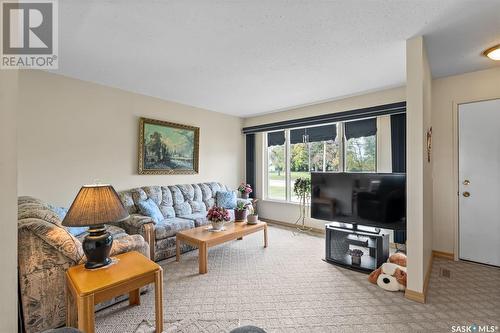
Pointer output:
x,y
150,208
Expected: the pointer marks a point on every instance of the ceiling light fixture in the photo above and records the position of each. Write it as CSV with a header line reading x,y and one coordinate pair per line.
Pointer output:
x,y
493,52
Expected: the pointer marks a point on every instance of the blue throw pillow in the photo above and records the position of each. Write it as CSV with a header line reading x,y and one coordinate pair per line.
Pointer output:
x,y
77,231
226,199
150,208
61,212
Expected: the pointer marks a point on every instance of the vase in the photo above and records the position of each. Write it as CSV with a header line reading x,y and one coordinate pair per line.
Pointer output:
x,y
244,195
356,260
217,225
240,215
252,219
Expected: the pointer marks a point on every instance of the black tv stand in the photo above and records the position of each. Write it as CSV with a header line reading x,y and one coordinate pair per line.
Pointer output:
x,y
342,237
355,227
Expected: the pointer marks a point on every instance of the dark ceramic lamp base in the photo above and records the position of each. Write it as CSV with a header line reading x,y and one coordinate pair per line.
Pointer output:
x,y
97,246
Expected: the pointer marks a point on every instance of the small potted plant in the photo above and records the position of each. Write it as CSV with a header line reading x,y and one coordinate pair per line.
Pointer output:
x,y
253,217
245,190
356,256
218,216
241,211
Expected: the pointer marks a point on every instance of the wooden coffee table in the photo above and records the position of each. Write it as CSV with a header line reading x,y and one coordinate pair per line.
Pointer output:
x,y
203,239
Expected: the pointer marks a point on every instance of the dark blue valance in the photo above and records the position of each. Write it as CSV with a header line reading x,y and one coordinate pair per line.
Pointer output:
x,y
360,128
276,138
313,134
297,135
322,133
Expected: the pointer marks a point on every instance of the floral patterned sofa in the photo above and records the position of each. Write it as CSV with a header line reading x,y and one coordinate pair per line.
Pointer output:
x,y
182,206
46,249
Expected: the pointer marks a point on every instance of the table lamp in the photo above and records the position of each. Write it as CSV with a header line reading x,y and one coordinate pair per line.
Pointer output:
x,y
94,206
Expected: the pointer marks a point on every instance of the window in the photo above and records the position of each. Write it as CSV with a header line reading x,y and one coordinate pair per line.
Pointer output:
x,y
360,154
276,166
295,153
361,145
312,149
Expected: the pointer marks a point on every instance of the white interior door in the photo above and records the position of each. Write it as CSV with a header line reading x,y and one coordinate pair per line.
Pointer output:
x,y
479,177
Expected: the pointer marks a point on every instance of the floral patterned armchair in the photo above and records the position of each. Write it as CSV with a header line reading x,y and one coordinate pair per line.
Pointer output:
x,y
46,249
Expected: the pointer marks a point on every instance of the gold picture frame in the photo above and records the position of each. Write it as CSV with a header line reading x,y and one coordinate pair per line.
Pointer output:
x,y
167,148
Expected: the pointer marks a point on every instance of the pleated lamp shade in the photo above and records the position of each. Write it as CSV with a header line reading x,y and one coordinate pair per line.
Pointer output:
x,y
95,205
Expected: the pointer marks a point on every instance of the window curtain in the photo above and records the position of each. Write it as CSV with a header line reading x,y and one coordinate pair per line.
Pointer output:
x,y
314,134
276,138
360,128
250,162
398,142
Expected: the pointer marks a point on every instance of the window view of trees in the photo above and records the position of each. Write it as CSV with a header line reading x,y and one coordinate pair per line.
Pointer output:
x,y
276,170
360,154
317,149
312,156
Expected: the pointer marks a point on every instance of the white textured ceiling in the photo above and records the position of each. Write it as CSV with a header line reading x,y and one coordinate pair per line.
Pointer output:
x,y
250,57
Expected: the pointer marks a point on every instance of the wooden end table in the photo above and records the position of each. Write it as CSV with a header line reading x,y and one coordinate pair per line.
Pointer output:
x,y
203,239
86,288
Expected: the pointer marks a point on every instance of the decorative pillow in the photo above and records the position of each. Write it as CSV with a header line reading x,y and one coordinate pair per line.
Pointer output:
x,y
77,231
61,212
150,208
226,199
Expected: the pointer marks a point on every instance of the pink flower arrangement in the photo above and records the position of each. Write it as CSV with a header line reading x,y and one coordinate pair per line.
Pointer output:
x,y
245,188
218,214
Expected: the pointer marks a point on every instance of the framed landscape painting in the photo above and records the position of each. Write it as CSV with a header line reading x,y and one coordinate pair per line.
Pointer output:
x,y
167,148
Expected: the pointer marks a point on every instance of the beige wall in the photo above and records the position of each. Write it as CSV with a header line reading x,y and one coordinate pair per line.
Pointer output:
x,y
446,94
350,103
288,212
8,200
428,176
74,132
414,167
419,171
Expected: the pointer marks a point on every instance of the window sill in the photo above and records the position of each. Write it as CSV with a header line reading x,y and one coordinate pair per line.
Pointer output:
x,y
283,202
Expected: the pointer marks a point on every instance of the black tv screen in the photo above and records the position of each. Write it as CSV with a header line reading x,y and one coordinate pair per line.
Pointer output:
x,y
372,199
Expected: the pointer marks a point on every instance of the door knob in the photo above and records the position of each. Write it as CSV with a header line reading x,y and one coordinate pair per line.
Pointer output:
x,y
466,194
466,182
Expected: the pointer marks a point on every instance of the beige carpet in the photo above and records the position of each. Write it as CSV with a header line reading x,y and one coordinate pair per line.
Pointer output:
x,y
288,288
190,325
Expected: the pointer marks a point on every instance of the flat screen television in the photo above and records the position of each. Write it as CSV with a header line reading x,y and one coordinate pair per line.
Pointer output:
x,y
370,199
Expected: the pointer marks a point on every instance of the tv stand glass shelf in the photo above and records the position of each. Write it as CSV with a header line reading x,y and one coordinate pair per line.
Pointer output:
x,y
342,238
